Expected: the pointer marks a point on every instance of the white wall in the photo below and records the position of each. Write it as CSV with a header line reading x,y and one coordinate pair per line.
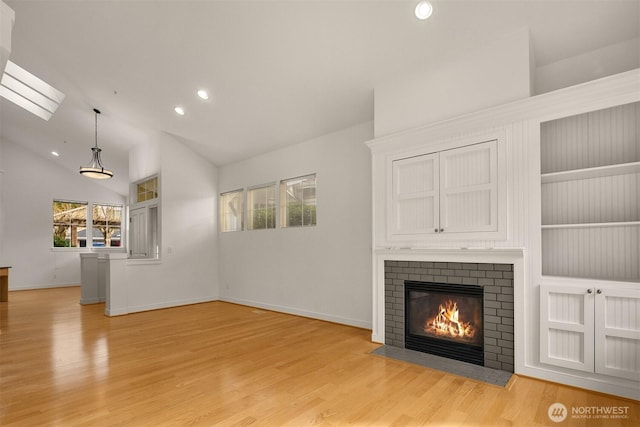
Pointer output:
x,y
188,268
607,61
494,74
321,272
7,19
29,184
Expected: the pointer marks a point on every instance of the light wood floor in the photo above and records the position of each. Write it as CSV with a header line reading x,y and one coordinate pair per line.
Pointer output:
x,y
223,364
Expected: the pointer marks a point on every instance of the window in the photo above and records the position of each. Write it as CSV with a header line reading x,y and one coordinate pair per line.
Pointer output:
x,y
231,211
261,205
69,224
74,228
298,201
147,190
106,221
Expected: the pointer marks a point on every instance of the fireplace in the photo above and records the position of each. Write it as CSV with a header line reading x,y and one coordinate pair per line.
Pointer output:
x,y
445,320
491,285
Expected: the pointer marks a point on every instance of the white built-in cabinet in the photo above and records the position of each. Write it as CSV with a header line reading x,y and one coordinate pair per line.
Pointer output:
x,y
591,328
590,242
450,193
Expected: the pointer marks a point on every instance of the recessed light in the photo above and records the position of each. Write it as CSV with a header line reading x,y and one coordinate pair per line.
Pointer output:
x,y
179,110
203,94
55,153
423,10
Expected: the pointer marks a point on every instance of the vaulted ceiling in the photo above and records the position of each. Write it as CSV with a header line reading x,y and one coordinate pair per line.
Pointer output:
x,y
278,72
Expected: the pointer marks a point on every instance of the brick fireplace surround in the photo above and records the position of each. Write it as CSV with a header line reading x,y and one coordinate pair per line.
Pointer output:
x,y
501,273
496,281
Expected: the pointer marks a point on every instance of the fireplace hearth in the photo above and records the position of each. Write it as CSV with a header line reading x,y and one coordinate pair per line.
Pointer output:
x,y
445,320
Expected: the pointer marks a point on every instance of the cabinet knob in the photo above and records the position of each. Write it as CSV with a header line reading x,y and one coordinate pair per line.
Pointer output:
x,y
599,291
589,291
441,230
436,230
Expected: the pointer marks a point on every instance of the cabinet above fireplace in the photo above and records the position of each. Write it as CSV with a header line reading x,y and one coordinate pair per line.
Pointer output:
x,y
445,190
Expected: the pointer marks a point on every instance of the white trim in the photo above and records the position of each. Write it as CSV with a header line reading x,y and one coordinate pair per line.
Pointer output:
x,y
159,306
43,286
297,312
627,390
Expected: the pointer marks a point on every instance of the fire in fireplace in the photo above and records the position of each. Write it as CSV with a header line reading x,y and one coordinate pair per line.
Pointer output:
x,y
445,319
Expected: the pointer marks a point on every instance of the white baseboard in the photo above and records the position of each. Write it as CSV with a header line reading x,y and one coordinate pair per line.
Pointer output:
x,y
119,311
42,286
304,313
88,301
626,389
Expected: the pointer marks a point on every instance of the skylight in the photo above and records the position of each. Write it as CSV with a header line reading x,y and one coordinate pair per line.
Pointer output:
x,y
29,92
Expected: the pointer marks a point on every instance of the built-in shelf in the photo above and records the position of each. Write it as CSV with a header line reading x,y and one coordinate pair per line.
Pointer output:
x,y
591,225
590,199
596,172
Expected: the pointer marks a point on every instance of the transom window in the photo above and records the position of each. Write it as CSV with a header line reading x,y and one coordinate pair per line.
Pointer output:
x,y
147,190
298,201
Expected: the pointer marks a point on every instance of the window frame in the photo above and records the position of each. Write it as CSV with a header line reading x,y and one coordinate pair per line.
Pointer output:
x,y
121,226
86,225
155,190
284,204
222,211
250,209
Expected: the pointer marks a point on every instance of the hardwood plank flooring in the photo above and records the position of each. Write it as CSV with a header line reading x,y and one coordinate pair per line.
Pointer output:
x,y
63,364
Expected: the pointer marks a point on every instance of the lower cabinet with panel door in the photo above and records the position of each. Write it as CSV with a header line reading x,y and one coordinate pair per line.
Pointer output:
x,y
591,327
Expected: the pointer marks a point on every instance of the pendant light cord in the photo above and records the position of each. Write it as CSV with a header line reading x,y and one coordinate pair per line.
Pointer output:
x,y
97,112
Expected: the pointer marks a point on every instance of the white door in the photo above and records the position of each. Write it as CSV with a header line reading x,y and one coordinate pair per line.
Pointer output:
x,y
617,332
414,198
469,188
138,233
566,326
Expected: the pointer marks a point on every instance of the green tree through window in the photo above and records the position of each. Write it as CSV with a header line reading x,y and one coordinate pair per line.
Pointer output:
x,y
298,201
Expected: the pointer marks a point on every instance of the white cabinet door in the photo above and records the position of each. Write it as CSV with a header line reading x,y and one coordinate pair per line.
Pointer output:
x,y
617,332
138,233
451,194
414,206
566,326
469,188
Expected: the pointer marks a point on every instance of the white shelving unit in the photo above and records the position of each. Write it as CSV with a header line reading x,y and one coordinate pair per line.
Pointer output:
x,y
591,195
590,290
596,172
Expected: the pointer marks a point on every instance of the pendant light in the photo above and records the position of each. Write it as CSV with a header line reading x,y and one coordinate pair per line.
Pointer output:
x,y
95,169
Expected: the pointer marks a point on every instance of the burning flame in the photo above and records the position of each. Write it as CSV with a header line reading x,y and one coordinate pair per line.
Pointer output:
x,y
447,323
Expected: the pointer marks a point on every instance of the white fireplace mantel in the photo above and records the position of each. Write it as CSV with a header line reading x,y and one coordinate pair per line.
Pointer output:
x,y
514,256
